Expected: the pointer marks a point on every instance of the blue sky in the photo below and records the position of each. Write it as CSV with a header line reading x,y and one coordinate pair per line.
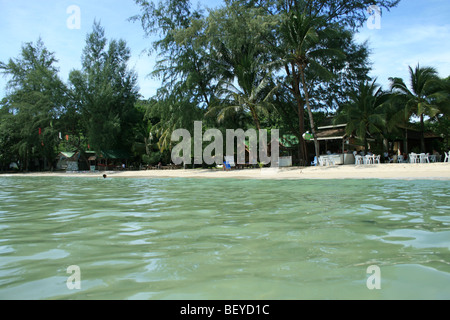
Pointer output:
x,y
415,32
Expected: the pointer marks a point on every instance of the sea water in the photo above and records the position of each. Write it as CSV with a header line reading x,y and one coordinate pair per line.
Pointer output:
x,y
158,239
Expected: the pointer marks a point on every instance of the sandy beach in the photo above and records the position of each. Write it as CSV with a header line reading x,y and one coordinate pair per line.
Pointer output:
x,y
433,171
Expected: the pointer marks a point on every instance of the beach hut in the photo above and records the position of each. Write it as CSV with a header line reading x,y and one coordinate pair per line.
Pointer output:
x,y
68,161
334,140
409,141
112,159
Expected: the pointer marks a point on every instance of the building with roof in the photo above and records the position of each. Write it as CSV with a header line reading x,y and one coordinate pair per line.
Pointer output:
x,y
68,161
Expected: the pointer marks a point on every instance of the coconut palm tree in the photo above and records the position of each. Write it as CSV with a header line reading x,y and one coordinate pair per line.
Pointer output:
x,y
246,84
443,96
397,118
364,113
421,98
306,42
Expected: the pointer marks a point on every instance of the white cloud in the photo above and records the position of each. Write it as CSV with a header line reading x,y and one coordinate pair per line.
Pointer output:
x,y
395,49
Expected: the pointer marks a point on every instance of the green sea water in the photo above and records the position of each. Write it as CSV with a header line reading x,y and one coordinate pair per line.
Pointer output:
x,y
225,239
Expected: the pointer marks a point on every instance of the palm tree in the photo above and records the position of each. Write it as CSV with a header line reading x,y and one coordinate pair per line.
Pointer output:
x,y
246,84
443,96
240,62
305,41
235,99
421,99
364,114
397,118
443,102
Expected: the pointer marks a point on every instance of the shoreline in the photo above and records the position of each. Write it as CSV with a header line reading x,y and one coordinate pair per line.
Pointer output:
x,y
402,171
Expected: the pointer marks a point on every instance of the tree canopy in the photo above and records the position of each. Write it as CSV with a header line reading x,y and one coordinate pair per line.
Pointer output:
x,y
250,64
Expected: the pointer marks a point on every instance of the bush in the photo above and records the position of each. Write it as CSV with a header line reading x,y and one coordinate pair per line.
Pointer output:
x,y
152,159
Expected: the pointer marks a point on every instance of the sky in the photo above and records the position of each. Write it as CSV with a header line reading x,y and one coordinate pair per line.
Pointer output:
x,y
414,32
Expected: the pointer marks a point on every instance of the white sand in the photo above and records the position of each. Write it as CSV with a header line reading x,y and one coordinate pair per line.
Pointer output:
x,y
433,171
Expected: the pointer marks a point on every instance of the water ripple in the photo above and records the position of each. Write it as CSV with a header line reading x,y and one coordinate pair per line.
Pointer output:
x,y
219,239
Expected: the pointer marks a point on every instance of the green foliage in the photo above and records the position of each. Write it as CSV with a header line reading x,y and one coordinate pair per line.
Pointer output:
x,y
364,114
105,93
245,81
424,98
35,102
230,61
285,64
98,107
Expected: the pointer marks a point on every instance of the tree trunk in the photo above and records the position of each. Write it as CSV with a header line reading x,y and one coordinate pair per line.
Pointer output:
x,y
27,161
422,134
406,142
385,145
301,122
255,118
311,119
258,128
295,90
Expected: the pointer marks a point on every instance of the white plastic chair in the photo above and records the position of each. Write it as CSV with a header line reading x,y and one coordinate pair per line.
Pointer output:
x,y
229,162
330,161
368,159
322,161
447,156
400,159
413,158
424,158
358,160
377,160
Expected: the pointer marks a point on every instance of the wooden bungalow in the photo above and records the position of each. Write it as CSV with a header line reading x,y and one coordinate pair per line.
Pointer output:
x,y
111,159
410,142
68,161
334,140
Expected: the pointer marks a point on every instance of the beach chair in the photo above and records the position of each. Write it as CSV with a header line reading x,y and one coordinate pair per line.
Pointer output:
x,y
446,156
229,162
331,161
321,161
414,158
377,160
359,160
424,158
368,159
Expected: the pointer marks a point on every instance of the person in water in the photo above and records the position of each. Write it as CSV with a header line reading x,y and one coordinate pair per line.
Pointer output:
x,y
105,176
